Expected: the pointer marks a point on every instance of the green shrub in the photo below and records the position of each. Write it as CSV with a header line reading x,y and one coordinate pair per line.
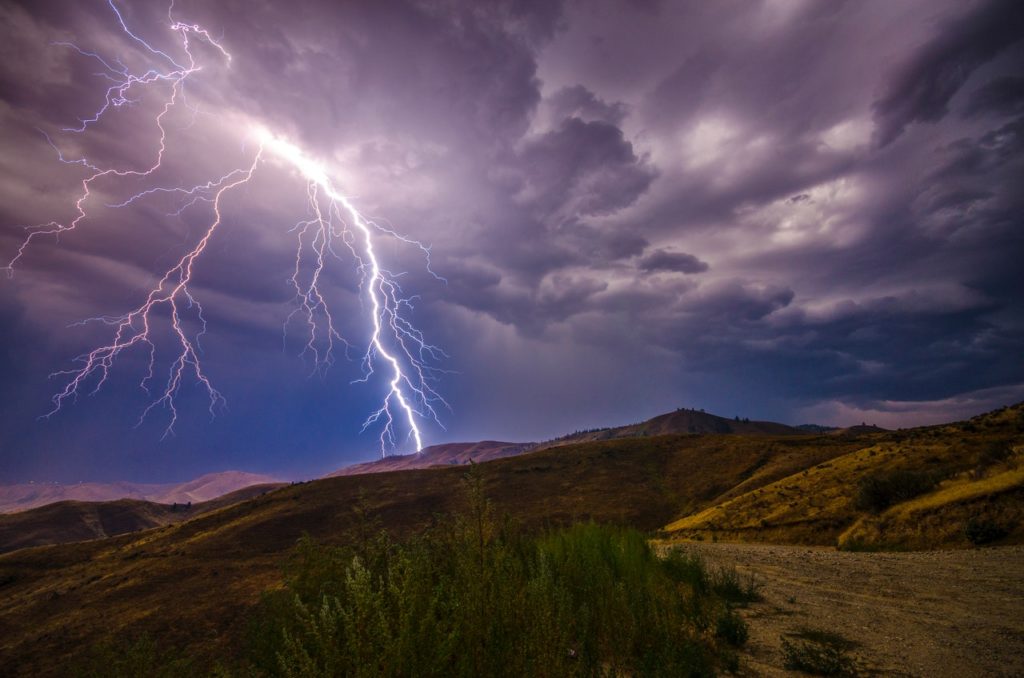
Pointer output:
x,y
879,491
476,597
980,531
731,587
731,628
816,658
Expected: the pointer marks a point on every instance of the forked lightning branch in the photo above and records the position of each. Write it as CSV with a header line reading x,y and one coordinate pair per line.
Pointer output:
x,y
397,354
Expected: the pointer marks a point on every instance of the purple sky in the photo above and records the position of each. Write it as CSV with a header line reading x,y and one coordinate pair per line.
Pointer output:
x,y
790,210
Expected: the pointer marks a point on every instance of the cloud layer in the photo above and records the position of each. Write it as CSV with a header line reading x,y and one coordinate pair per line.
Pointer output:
x,y
776,209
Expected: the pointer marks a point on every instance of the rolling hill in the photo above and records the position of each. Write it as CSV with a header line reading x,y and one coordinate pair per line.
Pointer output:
x,y
23,496
937,486
447,454
679,421
57,600
69,521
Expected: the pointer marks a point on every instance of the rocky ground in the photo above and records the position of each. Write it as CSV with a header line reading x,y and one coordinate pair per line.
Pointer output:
x,y
936,613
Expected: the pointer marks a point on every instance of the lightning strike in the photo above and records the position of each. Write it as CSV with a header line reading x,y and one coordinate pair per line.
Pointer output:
x,y
395,345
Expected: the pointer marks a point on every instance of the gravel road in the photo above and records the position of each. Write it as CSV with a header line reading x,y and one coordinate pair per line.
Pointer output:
x,y
934,613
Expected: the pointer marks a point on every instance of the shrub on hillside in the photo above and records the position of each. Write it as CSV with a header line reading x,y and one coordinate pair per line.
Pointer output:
x,y
474,596
981,532
879,491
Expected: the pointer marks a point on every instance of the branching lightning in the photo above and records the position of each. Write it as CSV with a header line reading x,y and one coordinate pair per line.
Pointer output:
x,y
395,347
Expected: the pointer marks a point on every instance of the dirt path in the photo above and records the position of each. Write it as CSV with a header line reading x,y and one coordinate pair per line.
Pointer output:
x,y
938,613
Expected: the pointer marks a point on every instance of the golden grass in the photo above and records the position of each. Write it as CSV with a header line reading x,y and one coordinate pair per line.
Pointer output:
x,y
817,505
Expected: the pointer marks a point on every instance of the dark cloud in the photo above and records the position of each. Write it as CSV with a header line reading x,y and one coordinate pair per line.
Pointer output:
x,y
922,89
579,102
581,169
1002,96
678,262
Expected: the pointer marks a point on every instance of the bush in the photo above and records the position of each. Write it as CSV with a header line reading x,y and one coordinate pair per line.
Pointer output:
x,y
727,584
816,658
731,628
980,532
879,491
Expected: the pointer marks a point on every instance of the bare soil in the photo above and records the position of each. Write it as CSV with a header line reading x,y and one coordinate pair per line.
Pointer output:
x,y
930,613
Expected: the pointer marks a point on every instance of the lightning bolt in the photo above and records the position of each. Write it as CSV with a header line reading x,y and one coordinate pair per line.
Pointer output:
x,y
395,346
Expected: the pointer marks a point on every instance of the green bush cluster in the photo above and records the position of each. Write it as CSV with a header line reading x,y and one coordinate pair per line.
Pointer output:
x,y
879,491
477,597
815,658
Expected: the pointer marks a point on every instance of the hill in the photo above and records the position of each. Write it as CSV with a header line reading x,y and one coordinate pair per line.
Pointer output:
x,y
853,489
939,486
69,521
23,496
447,454
56,600
680,421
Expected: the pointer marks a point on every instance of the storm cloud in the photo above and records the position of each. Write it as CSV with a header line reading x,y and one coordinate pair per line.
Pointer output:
x,y
780,209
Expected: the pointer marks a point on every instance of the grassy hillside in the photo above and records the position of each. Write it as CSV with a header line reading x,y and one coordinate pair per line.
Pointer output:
x,y
68,521
193,584
56,600
939,486
25,496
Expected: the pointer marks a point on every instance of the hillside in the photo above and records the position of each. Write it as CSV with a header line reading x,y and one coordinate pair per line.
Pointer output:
x,y
56,600
939,486
69,521
679,421
447,454
23,496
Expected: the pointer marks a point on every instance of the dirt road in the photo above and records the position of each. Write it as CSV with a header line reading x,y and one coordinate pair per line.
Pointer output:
x,y
938,613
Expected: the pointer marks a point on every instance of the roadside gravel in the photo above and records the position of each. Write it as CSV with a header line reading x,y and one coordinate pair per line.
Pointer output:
x,y
932,613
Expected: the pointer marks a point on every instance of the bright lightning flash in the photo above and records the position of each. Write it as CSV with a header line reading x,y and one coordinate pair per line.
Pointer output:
x,y
395,345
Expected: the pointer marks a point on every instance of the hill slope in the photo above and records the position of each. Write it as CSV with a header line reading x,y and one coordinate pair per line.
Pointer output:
x,y
23,496
56,600
680,421
950,485
447,454
69,521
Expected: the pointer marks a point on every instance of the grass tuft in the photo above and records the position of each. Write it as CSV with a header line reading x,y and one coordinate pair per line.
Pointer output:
x,y
819,653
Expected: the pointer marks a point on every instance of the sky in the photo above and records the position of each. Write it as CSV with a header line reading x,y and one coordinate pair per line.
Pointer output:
x,y
800,211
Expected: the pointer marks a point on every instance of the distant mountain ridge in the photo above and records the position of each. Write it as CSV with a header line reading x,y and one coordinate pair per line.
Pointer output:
x,y
24,496
679,421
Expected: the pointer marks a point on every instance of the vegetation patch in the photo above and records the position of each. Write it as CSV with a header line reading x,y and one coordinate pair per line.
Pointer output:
x,y
980,531
728,584
879,491
731,628
140,656
819,653
476,596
